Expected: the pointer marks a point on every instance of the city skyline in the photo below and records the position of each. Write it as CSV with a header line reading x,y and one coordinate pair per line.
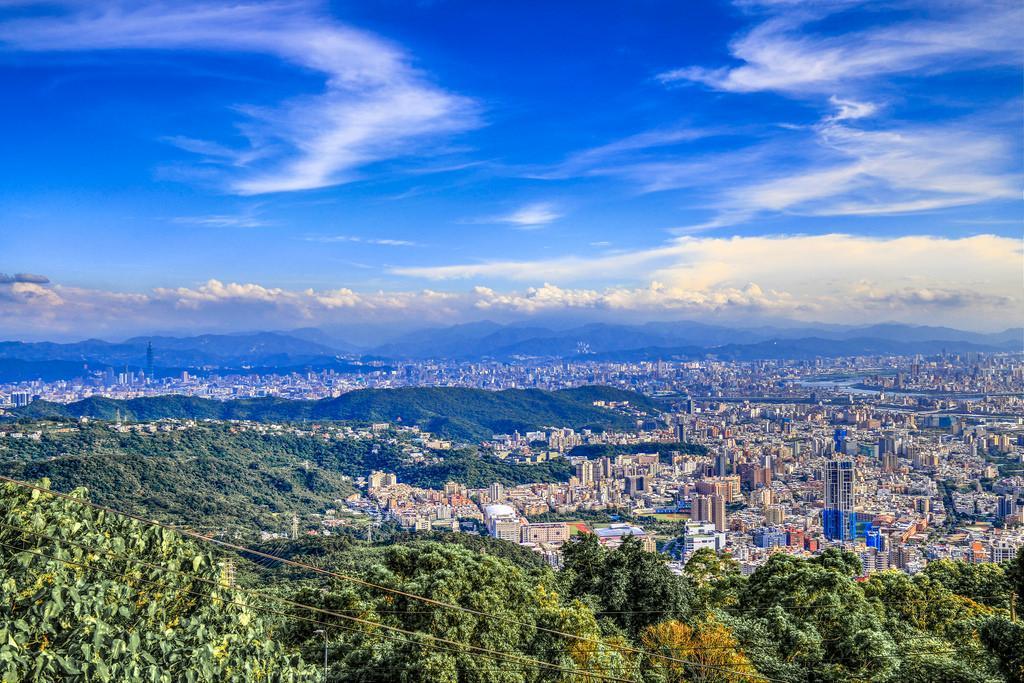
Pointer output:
x,y
212,167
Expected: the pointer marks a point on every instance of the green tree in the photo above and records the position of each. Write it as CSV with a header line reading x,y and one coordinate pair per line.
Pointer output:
x,y
630,587
1015,577
78,604
715,578
515,612
818,620
1005,639
984,582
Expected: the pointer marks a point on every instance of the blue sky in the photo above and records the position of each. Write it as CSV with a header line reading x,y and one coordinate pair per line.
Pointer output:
x,y
217,166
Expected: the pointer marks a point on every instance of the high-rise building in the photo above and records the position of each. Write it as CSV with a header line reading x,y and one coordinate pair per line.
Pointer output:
x,y
729,487
636,485
585,472
722,463
700,509
545,532
774,514
681,432
1002,552
839,440
698,535
496,492
718,513
838,518
873,560
768,538
380,480
1007,505
923,505
503,522
452,488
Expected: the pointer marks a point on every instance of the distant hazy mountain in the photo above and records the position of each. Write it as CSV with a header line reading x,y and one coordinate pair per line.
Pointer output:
x,y
487,339
804,348
267,351
325,339
236,347
172,351
912,333
313,349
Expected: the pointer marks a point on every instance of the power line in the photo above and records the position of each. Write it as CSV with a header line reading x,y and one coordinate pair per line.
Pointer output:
x,y
339,615
362,582
240,604
336,613
486,652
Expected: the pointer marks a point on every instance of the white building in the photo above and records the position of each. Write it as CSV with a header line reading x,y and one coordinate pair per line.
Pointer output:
x,y
503,522
698,535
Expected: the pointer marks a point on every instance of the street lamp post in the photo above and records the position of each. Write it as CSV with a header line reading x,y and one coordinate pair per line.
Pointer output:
x,y
320,630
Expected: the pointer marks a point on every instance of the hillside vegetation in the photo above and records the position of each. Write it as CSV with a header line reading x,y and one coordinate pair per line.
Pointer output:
x,y
92,596
217,477
453,412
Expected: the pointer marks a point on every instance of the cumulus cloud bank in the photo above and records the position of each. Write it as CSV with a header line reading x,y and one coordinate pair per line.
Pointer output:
x,y
970,282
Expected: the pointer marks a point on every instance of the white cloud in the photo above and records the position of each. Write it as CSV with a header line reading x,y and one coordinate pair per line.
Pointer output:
x,y
966,282
380,241
527,217
888,170
783,54
374,105
222,221
824,277
851,109
845,165
594,161
853,161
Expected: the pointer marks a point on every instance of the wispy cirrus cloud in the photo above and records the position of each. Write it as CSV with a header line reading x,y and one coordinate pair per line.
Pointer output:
x,y
380,241
846,164
858,158
222,221
374,104
785,53
526,217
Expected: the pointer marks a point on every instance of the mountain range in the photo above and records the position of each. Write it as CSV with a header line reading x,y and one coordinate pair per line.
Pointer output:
x,y
688,339
314,349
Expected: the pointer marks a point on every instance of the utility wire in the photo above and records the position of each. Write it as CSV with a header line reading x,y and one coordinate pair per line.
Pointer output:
x,y
486,652
337,613
362,582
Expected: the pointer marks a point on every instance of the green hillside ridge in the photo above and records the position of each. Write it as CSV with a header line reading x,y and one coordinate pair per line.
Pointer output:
x,y
205,477
452,412
239,481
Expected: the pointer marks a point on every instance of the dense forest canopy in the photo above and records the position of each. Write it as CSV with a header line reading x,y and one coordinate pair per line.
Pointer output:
x,y
232,478
451,412
93,596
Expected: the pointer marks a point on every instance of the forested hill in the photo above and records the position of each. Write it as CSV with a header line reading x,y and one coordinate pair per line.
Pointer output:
x,y
453,412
